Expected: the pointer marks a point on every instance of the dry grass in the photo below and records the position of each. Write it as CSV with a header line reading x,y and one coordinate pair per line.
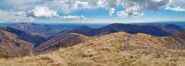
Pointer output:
x,y
11,46
119,49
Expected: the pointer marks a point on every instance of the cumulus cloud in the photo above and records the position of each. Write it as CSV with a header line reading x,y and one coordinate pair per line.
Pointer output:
x,y
176,5
9,16
54,8
66,6
41,11
129,7
137,7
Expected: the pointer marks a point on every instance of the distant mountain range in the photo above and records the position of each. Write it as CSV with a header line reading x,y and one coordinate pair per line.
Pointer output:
x,y
34,39
44,30
46,37
161,30
65,37
47,30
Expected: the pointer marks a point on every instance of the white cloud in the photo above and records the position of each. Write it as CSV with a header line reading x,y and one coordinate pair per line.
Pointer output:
x,y
130,7
51,8
41,11
9,16
137,7
111,11
71,17
21,13
131,11
176,5
66,6
177,8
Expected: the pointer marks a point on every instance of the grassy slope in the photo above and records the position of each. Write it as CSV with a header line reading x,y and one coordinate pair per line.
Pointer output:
x,y
118,49
11,46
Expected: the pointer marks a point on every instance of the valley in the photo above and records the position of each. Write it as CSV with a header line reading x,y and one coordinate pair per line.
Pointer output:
x,y
92,33
114,44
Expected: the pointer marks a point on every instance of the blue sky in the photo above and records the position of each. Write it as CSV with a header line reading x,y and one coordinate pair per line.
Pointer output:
x,y
92,11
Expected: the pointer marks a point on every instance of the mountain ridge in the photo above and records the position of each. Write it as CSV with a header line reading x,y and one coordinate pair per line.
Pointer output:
x,y
34,39
129,28
120,48
11,46
59,41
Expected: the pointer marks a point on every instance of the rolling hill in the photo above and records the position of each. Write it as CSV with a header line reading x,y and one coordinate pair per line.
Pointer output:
x,y
59,41
11,46
112,45
34,39
116,49
39,33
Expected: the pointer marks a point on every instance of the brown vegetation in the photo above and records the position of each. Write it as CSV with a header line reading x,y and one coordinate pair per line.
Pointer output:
x,y
117,49
10,45
62,41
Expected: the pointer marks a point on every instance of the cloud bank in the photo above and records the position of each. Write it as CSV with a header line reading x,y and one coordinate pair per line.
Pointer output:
x,y
54,8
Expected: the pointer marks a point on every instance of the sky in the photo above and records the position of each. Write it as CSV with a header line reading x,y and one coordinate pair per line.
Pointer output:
x,y
92,11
